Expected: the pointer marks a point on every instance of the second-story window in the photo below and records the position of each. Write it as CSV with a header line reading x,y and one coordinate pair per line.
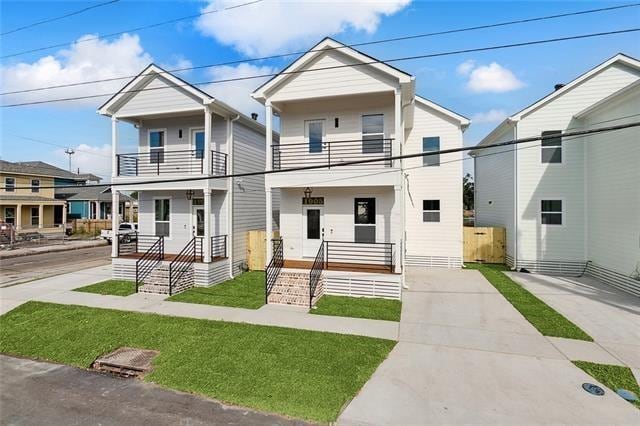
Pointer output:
x,y
9,184
551,147
431,144
373,134
314,130
35,185
156,146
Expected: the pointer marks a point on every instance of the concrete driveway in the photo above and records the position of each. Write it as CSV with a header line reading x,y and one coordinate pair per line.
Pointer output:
x,y
467,356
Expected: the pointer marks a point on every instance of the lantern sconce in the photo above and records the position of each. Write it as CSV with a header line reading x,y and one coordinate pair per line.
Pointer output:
x,y
189,194
307,193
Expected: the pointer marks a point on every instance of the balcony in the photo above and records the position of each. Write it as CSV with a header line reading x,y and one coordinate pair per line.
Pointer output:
x,y
332,153
166,163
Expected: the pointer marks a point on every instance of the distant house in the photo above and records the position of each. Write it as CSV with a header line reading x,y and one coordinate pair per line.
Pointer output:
x,y
94,202
570,205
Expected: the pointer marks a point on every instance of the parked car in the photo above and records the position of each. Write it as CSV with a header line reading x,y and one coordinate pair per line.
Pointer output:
x,y
127,231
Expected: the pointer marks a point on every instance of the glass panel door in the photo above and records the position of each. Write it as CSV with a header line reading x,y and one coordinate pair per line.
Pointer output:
x,y
198,213
198,143
312,229
315,134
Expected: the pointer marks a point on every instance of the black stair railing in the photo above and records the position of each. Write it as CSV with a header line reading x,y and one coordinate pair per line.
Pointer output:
x,y
315,274
149,260
273,268
183,262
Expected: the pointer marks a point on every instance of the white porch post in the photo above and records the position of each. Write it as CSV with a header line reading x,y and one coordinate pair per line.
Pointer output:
x,y
268,166
41,216
18,217
115,223
206,243
398,130
396,227
96,208
114,147
64,216
208,144
398,215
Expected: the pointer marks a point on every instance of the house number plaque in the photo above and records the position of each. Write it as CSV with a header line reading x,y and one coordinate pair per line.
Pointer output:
x,y
313,201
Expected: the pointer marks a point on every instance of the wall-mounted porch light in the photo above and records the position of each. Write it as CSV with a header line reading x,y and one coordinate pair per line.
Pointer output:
x,y
189,194
307,192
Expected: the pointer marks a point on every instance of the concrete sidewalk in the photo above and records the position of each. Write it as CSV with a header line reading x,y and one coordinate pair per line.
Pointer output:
x,y
68,245
467,356
59,290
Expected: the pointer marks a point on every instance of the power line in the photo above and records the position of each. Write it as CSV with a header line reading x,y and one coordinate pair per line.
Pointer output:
x,y
145,27
58,145
375,61
57,18
373,160
374,42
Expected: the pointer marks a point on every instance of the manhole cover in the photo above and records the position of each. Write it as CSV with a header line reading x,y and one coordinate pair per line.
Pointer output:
x,y
627,394
593,389
126,361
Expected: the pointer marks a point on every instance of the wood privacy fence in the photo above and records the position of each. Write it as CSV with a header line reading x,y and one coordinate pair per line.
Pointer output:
x,y
90,226
257,249
484,244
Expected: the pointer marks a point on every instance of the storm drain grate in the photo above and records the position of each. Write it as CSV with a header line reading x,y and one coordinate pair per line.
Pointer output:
x,y
593,389
126,362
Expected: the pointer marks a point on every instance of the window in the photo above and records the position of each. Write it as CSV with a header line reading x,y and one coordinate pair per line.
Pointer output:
x,y
365,220
156,146
35,216
373,134
162,213
9,184
35,185
10,215
198,143
315,134
431,210
431,144
551,149
551,212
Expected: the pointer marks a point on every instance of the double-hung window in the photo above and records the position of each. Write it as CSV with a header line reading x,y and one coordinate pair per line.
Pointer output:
x,y
35,216
551,147
35,185
431,144
162,212
156,146
551,212
373,134
10,215
431,210
365,220
9,184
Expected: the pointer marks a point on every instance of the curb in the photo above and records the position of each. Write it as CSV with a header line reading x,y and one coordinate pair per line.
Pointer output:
x,y
53,249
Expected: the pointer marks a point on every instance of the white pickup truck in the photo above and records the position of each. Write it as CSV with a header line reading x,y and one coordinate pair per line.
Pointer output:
x,y
128,231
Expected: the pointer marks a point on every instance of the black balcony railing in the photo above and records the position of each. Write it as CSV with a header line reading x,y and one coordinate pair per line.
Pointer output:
x,y
368,256
332,153
134,242
218,246
165,162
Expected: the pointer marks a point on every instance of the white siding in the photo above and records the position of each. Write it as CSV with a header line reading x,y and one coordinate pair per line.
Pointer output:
x,y
494,179
173,125
163,97
425,240
332,82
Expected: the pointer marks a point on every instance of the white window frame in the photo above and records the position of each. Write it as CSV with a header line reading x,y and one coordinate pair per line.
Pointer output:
x,y
170,236
561,147
37,210
192,138
561,212
164,142
430,157
6,184
439,200
35,188
13,217
324,135
363,134
374,225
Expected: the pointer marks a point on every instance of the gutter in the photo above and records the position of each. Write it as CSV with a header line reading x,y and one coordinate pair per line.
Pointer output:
x,y
230,193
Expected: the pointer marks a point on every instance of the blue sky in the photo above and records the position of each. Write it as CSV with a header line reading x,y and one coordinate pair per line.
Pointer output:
x,y
490,85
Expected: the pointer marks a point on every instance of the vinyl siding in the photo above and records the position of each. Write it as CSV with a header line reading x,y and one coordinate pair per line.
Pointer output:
x,y
444,182
173,125
23,186
163,97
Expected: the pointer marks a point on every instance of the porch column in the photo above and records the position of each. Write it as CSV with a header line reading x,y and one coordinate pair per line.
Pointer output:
x,y
97,209
115,223
18,217
269,226
64,216
41,216
268,121
397,229
206,243
114,147
398,128
208,145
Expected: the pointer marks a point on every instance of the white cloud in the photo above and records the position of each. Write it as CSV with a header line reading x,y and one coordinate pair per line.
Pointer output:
x,y
491,116
236,93
466,67
492,78
87,158
90,60
272,26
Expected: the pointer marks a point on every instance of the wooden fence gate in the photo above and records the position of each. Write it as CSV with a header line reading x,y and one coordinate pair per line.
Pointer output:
x,y
484,244
257,249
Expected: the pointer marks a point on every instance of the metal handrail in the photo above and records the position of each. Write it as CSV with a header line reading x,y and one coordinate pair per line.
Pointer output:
x,y
148,261
273,268
376,254
182,262
315,274
219,246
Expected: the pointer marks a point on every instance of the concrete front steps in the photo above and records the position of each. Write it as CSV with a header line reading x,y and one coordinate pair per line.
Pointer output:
x,y
292,288
157,282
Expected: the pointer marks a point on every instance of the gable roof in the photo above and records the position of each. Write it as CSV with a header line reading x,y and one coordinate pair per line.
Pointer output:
x,y
328,44
461,119
40,168
95,193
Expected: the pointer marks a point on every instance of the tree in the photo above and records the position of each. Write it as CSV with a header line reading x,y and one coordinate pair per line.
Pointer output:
x,y
467,191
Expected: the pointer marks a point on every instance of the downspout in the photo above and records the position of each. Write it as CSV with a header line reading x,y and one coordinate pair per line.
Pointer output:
x,y
230,192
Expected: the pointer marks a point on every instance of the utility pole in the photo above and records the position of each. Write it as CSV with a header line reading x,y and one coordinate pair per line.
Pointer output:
x,y
69,152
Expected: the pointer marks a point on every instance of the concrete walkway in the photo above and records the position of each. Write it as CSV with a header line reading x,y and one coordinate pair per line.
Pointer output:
x,y
467,356
59,290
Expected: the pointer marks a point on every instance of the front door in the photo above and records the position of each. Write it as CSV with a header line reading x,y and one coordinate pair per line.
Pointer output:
x,y
198,221
312,230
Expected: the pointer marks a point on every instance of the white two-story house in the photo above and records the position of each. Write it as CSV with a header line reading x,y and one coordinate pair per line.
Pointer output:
x,y
192,220
570,205
351,229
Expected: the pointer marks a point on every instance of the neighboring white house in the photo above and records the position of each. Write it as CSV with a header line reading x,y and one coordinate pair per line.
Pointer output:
x,y
188,216
568,202
360,224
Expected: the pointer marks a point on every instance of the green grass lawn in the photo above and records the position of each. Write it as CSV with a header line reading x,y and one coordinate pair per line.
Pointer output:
x,y
243,291
544,318
359,307
612,376
112,287
305,374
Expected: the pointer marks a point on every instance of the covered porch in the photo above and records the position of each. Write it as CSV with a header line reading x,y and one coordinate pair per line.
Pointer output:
x,y
33,214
